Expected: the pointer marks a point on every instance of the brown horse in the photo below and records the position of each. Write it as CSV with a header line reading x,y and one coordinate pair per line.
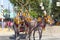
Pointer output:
x,y
18,25
49,20
41,24
32,26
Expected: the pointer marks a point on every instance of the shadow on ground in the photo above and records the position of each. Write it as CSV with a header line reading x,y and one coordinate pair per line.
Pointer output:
x,y
21,36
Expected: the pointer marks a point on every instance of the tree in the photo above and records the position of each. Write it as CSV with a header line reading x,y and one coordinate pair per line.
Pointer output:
x,y
33,14
20,3
34,5
6,13
28,4
56,10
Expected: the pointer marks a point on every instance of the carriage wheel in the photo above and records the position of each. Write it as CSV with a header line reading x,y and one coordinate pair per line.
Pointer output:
x,y
39,33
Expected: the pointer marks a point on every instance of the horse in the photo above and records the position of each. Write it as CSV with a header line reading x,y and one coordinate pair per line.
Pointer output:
x,y
49,20
18,23
32,26
41,25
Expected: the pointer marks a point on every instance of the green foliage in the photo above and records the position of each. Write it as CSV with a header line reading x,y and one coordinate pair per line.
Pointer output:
x,y
34,5
56,10
33,14
24,4
6,11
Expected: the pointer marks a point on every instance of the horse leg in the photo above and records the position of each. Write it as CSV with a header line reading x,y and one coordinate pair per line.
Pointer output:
x,y
14,27
34,34
16,31
40,32
29,33
15,34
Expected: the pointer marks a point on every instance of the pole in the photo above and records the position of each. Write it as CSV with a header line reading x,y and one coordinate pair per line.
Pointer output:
x,y
2,14
2,17
2,24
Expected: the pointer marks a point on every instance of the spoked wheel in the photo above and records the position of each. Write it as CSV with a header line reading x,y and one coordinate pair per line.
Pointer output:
x,y
37,34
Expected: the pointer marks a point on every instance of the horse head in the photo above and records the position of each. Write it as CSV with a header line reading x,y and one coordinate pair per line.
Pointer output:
x,y
49,20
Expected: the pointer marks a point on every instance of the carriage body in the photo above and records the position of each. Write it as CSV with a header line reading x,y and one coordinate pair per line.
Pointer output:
x,y
19,25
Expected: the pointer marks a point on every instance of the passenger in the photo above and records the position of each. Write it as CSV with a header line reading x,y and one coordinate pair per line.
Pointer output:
x,y
9,24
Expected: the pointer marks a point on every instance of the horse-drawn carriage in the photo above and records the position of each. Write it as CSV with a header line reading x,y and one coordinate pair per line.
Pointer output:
x,y
19,25
27,25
